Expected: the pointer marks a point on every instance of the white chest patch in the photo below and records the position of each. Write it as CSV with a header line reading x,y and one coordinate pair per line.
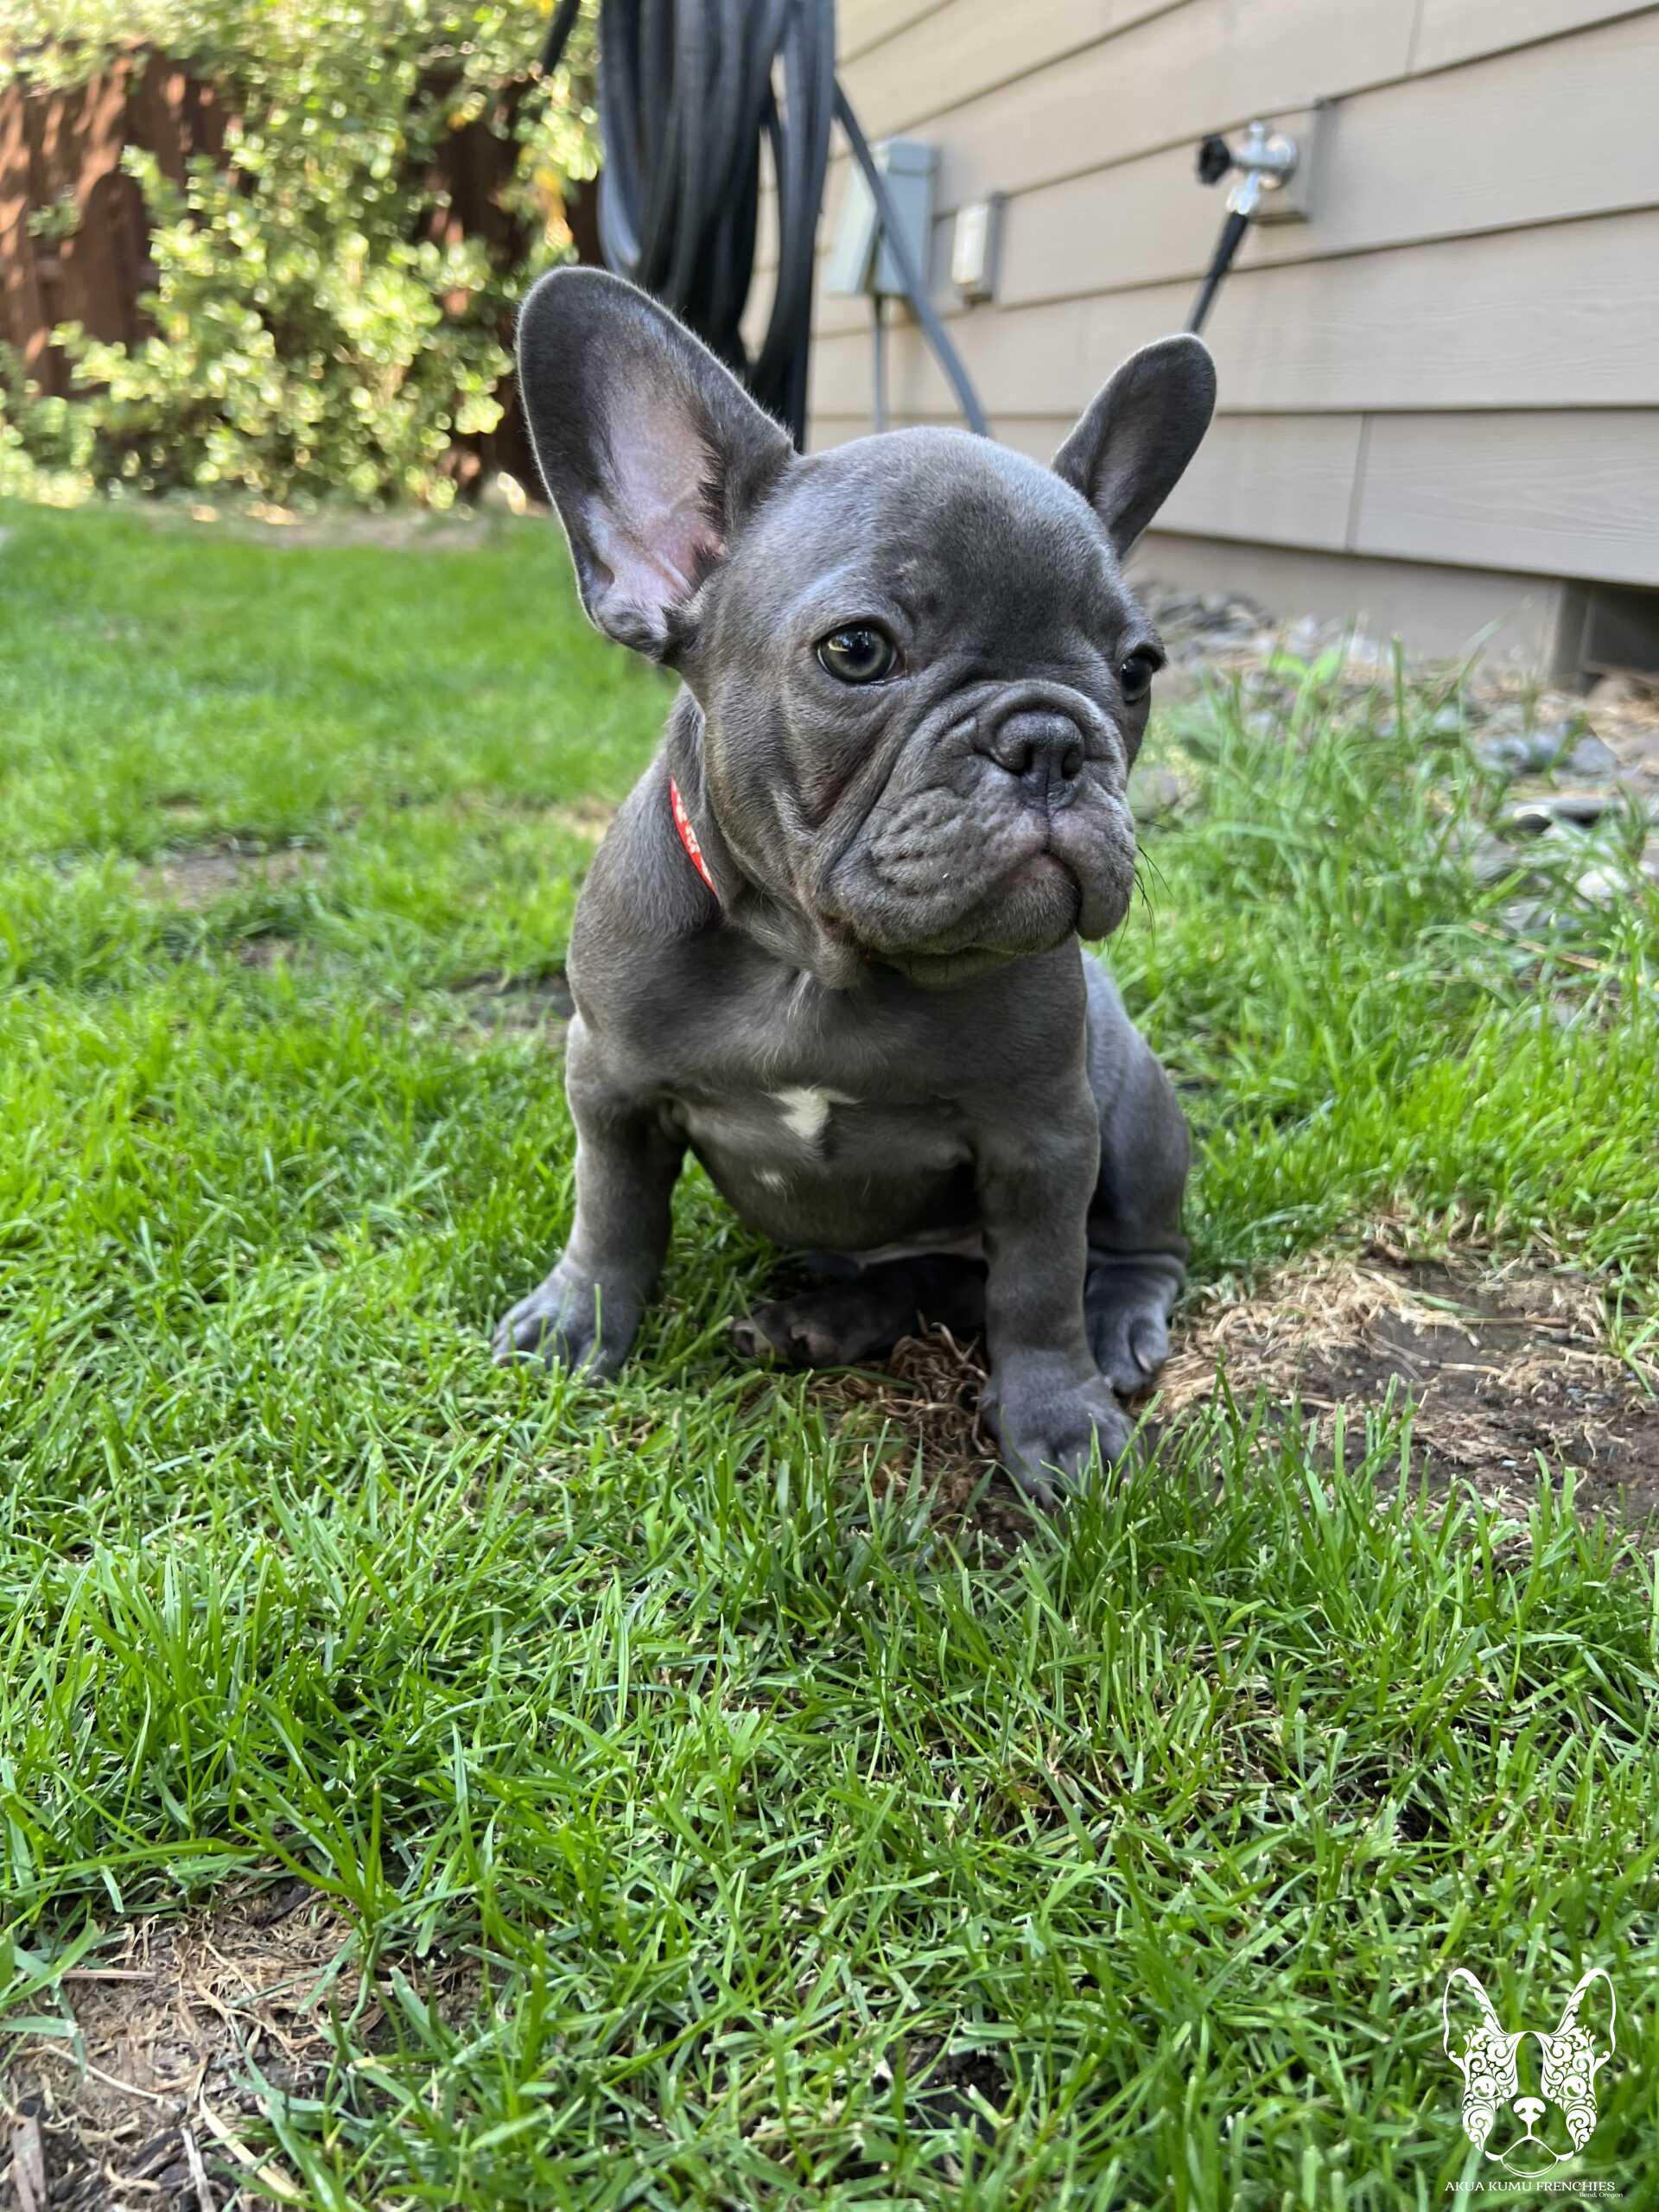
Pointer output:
x,y
806,1113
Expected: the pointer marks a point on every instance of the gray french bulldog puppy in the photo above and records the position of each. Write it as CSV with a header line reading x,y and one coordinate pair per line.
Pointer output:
x,y
831,943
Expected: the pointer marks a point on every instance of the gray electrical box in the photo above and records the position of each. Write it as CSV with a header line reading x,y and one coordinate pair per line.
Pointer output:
x,y
855,264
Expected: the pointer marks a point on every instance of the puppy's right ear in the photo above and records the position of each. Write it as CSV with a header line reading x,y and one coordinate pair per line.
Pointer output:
x,y
1467,2012
1130,448
649,449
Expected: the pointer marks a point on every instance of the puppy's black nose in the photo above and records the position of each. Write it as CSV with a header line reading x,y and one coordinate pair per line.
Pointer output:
x,y
1042,749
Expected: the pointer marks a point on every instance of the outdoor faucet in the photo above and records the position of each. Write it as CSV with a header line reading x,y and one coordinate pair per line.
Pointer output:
x,y
1266,160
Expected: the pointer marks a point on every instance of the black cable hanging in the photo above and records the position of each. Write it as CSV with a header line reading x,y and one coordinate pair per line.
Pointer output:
x,y
1233,228
688,92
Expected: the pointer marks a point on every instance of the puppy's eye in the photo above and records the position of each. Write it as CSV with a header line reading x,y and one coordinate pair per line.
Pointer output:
x,y
1135,674
861,654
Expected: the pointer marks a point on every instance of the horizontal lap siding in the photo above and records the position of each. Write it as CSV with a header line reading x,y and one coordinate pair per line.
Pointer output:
x,y
1168,77
1283,480
1459,30
864,23
1442,157
1578,490
1563,494
1457,360
1539,318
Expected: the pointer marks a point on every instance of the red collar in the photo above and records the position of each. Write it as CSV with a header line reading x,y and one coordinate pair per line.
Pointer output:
x,y
689,835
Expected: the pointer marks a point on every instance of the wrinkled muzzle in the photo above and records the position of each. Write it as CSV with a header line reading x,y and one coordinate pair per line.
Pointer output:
x,y
1003,828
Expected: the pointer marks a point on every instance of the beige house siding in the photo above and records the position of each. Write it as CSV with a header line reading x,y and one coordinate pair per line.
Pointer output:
x,y
1455,362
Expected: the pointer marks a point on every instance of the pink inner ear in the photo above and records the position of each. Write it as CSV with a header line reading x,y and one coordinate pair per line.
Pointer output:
x,y
655,572
652,531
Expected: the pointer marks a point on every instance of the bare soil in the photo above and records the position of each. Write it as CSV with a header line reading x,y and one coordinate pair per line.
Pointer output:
x,y
193,880
533,1006
147,2105
398,529
1506,1370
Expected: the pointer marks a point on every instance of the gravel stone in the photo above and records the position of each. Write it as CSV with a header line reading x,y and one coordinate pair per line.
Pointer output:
x,y
1590,757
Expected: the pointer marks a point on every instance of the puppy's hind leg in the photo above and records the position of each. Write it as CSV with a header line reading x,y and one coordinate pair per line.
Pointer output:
x,y
1137,1254
841,1323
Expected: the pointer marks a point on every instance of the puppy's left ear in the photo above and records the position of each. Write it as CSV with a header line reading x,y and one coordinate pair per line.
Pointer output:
x,y
1587,2007
1129,449
649,449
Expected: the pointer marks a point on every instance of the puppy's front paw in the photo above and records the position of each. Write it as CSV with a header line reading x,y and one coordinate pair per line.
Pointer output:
x,y
564,1323
1047,1434
1127,1307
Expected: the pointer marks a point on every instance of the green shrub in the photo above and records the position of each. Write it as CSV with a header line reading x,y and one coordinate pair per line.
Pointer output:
x,y
46,444
311,335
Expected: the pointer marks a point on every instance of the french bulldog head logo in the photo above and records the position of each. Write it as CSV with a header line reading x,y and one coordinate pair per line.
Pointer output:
x,y
1538,2080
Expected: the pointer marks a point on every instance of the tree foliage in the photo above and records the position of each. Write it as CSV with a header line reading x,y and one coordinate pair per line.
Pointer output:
x,y
317,326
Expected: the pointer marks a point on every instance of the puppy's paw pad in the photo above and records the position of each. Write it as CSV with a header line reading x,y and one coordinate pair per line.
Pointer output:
x,y
557,1327
1049,1451
836,1326
1126,1310
527,1336
1129,1349
750,1340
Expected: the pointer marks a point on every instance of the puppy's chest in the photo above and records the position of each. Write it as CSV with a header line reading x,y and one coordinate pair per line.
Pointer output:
x,y
781,1132
781,1083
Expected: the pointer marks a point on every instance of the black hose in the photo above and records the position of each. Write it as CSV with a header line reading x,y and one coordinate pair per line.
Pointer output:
x,y
915,279
686,98
1232,232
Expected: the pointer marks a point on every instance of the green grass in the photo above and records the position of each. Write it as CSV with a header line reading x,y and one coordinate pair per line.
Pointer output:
x,y
798,1855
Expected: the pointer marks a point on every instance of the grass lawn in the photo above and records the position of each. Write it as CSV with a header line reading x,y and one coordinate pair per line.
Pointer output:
x,y
686,1814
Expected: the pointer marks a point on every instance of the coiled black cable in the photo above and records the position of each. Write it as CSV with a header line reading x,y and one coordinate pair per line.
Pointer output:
x,y
688,93
1233,228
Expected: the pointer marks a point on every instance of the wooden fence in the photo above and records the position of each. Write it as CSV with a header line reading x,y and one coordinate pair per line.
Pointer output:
x,y
61,150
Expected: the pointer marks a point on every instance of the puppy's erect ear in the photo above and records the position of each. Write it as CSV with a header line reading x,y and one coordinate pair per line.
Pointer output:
x,y
651,450
1588,2009
1467,2014
1129,449
1579,2048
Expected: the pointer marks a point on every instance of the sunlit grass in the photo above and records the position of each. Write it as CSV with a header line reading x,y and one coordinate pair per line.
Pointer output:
x,y
798,1856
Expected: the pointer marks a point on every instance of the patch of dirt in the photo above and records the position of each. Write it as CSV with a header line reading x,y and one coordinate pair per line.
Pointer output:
x,y
921,1409
195,880
403,530
947,2090
397,532
533,1006
149,2104
582,818
267,949
1500,1363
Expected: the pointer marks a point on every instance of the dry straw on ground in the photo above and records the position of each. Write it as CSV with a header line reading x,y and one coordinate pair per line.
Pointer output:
x,y
1505,1368
148,2103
